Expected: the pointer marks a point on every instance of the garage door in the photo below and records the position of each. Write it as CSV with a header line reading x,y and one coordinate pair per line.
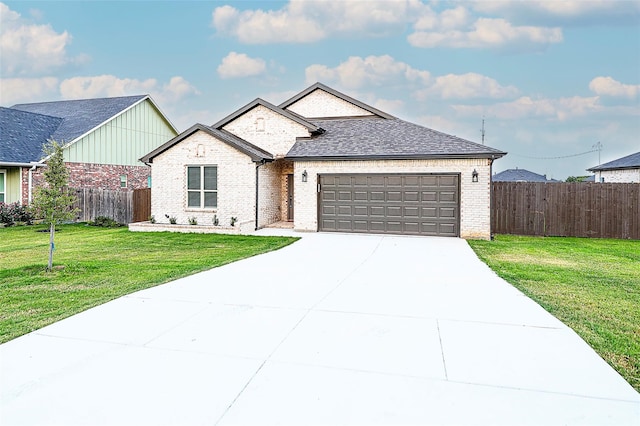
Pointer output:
x,y
414,204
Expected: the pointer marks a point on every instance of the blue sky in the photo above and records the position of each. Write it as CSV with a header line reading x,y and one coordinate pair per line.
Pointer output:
x,y
549,78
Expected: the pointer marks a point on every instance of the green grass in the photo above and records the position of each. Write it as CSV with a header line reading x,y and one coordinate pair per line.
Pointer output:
x,y
94,265
592,285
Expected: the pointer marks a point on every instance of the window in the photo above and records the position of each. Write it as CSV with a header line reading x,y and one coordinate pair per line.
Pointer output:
x,y
123,181
202,187
2,185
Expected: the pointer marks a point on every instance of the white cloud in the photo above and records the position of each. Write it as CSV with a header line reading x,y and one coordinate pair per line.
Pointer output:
x,y
526,107
488,33
29,49
303,21
236,65
467,86
357,72
22,90
607,86
392,106
109,86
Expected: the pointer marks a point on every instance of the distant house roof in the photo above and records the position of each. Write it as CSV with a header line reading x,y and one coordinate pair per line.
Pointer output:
x,y
25,128
382,138
629,162
255,153
520,175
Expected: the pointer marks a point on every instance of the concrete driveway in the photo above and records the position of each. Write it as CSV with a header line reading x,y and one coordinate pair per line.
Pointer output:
x,y
334,329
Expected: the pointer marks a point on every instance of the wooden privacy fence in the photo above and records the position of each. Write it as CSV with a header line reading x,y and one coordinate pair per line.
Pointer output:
x,y
121,206
576,209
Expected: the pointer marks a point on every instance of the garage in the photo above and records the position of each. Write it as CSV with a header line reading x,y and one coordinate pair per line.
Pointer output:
x,y
408,204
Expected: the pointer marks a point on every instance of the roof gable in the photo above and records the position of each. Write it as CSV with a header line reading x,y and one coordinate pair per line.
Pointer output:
x,y
629,162
360,109
291,116
380,138
23,135
81,116
255,153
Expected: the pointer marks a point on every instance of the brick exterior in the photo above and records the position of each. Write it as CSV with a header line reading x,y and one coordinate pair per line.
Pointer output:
x,y
268,130
322,104
236,181
474,196
618,176
86,175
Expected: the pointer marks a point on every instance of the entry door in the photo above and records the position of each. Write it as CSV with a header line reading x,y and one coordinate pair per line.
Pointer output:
x,y
290,198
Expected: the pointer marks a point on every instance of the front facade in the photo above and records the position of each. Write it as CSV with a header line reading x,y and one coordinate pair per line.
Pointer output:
x,y
621,170
103,140
323,161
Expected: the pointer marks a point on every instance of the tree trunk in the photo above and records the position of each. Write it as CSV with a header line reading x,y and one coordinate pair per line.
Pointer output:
x,y
52,231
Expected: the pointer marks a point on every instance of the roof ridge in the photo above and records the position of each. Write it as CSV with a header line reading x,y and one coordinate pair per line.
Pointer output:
x,y
79,100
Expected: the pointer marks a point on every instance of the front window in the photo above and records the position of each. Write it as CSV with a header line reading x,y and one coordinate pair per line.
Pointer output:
x,y
202,187
2,186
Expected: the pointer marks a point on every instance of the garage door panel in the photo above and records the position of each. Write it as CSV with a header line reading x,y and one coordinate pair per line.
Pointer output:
x,y
411,204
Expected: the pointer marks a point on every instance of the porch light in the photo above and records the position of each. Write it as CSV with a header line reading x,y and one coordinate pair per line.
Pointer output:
x,y
304,176
474,176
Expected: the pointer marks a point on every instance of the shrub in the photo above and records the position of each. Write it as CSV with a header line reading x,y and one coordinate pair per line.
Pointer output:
x,y
193,221
13,213
233,221
105,222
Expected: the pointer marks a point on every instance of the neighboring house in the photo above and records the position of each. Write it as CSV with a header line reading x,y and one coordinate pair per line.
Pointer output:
x,y
520,175
325,162
103,140
625,169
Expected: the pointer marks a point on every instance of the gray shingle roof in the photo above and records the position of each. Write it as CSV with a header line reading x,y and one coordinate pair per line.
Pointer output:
x,y
629,162
23,134
80,116
520,175
254,152
380,138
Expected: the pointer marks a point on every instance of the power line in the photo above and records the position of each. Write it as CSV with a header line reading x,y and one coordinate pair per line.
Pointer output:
x,y
555,158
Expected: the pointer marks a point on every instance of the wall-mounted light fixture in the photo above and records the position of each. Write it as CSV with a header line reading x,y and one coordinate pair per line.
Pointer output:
x,y
304,176
474,176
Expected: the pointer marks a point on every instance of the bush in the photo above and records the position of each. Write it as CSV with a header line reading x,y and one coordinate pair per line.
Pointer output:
x,y
13,213
105,222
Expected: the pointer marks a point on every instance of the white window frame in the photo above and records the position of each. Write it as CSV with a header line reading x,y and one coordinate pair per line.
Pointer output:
x,y
201,190
125,181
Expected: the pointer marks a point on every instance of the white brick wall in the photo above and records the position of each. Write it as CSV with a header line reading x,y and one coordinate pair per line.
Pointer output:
x,y
268,130
322,104
236,181
619,176
474,196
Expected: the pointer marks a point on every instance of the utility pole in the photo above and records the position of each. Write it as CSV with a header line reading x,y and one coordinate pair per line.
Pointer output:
x,y
598,146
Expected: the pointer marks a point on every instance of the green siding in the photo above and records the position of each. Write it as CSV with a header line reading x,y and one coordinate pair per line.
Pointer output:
x,y
124,139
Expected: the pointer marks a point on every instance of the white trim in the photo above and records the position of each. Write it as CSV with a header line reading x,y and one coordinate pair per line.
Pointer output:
x,y
3,172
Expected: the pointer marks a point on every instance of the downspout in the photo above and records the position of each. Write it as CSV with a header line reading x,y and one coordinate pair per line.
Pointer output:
x,y
261,163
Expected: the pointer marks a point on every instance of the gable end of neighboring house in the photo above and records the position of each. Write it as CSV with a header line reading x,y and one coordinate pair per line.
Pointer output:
x,y
324,161
102,141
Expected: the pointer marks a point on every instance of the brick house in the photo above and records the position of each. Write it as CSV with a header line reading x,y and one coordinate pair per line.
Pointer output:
x,y
103,140
324,161
621,170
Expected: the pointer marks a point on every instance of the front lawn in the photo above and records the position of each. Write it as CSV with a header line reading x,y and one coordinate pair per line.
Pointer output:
x,y
94,265
592,285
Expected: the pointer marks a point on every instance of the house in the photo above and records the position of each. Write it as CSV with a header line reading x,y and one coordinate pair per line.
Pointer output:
x,y
625,169
324,162
520,175
102,138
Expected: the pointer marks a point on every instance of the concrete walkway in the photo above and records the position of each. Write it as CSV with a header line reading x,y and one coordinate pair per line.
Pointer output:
x,y
334,329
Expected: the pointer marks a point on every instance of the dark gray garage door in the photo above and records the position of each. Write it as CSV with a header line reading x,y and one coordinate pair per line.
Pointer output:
x,y
423,204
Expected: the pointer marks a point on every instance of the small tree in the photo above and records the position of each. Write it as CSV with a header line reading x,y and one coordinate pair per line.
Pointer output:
x,y
53,202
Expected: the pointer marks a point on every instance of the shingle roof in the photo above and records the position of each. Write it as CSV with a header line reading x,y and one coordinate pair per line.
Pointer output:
x,y
380,138
254,152
23,134
80,116
519,175
629,162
